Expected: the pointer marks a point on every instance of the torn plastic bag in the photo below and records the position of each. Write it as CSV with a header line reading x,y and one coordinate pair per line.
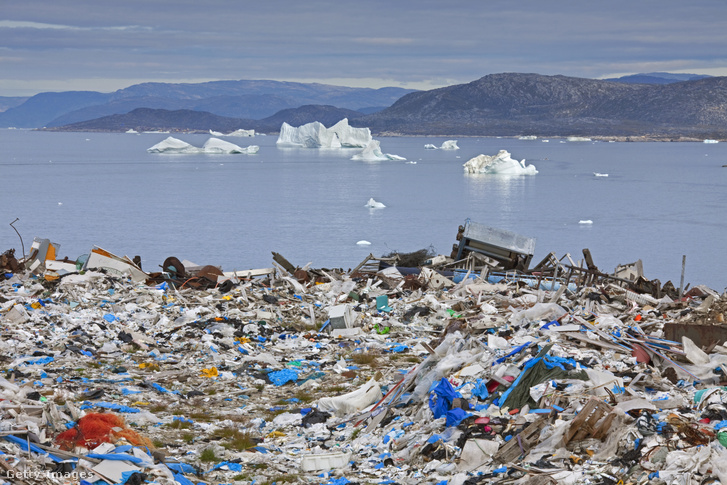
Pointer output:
x,y
441,397
357,400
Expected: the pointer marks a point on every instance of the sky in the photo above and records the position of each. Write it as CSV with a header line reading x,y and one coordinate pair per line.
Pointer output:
x,y
105,45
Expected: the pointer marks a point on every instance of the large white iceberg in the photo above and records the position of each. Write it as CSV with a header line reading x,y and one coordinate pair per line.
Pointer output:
x,y
502,164
213,145
316,135
372,153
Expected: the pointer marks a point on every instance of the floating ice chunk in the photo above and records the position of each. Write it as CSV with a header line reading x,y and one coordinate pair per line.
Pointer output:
x,y
711,141
501,164
316,135
216,133
429,146
363,243
578,138
132,131
597,174
585,221
372,204
242,132
450,145
215,145
372,153
173,145
528,137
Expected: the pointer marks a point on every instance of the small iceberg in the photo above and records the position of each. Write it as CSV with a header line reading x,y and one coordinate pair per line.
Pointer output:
x,y
173,145
450,145
429,146
585,221
528,137
711,141
597,174
242,132
372,153
501,164
213,145
363,243
578,138
372,204
132,131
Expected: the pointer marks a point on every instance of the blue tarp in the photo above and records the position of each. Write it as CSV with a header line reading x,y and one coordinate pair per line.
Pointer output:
x,y
441,397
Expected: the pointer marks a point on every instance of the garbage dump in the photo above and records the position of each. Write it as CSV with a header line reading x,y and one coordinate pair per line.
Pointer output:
x,y
455,372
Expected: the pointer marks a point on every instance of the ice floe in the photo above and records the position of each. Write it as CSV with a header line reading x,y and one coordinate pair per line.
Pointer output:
x,y
528,137
372,204
363,242
585,221
598,174
447,145
373,153
501,164
711,141
242,132
578,138
213,145
316,135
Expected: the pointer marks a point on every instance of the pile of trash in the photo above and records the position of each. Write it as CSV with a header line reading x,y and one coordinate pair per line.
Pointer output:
x,y
384,375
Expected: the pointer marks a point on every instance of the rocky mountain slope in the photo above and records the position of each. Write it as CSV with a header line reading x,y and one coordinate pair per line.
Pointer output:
x,y
513,104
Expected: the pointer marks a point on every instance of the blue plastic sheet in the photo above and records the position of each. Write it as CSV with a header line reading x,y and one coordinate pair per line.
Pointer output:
x,y
23,444
116,457
41,361
182,479
440,400
110,405
480,389
235,467
181,467
455,416
280,377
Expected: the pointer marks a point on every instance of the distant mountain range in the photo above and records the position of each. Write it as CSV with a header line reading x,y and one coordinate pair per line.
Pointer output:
x,y
148,119
234,99
507,104
657,78
512,104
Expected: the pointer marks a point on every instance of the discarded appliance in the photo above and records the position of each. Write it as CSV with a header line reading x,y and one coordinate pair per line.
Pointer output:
x,y
341,316
510,250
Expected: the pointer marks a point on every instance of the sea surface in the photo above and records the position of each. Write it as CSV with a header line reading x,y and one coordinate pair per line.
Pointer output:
x,y
659,202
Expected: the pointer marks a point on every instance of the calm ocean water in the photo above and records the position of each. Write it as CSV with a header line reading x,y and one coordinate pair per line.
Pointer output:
x,y
659,202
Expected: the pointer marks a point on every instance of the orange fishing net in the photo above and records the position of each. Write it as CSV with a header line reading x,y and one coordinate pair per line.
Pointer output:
x,y
96,428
